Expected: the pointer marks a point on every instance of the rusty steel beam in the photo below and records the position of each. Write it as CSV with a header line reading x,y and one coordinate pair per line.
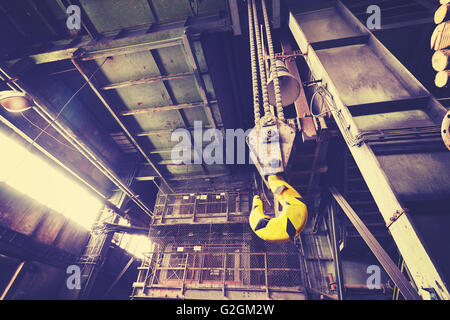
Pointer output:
x,y
319,161
145,110
198,176
174,163
86,22
119,122
411,247
136,41
193,62
183,177
405,287
166,131
172,98
155,36
149,79
125,269
235,20
158,132
12,280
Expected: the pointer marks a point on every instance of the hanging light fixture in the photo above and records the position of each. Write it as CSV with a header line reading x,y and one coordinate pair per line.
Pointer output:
x,y
15,101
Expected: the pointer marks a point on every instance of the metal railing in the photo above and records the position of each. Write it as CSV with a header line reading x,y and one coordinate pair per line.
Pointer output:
x,y
192,207
262,271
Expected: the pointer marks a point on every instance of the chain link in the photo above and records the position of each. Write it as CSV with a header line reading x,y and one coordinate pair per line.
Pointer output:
x,y
273,67
256,109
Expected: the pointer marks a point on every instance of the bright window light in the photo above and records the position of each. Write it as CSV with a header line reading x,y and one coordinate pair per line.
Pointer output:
x,y
32,176
137,245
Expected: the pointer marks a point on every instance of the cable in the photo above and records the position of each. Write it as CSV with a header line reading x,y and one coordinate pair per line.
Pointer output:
x,y
56,139
262,71
276,83
311,105
256,108
323,92
53,121
68,102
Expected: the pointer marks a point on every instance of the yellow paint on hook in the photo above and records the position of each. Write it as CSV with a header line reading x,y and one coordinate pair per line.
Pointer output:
x,y
289,223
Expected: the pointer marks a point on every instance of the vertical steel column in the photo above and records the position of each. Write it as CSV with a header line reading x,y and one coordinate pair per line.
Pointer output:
x,y
194,209
99,245
227,205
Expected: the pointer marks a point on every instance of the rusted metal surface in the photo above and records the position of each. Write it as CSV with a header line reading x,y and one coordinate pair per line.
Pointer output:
x,y
35,222
128,39
149,66
124,128
201,208
193,61
163,108
382,173
187,273
146,80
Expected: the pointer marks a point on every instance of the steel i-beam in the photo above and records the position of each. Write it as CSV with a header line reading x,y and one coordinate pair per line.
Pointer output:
x,y
391,268
356,36
119,122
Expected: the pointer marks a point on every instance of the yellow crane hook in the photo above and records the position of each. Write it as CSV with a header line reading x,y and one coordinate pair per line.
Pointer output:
x,y
289,223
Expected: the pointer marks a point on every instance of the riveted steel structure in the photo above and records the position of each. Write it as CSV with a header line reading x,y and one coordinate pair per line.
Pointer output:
x,y
107,98
378,93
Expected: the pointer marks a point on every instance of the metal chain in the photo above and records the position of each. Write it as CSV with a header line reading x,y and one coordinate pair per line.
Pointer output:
x,y
276,83
262,70
256,108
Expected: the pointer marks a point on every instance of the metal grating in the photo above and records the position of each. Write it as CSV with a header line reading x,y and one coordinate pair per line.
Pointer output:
x,y
203,207
216,265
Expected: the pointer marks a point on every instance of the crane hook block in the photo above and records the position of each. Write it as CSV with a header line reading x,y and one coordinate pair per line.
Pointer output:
x,y
289,223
